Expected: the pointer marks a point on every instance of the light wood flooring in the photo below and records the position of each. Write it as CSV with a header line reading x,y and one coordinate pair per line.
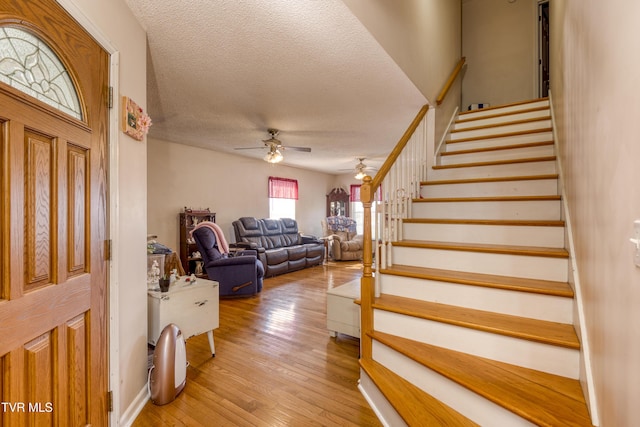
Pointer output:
x,y
275,363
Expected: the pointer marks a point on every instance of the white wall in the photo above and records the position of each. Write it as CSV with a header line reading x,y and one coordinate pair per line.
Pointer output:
x,y
112,21
422,36
231,186
595,87
499,42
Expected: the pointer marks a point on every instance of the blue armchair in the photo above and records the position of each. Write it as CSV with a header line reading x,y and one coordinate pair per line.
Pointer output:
x,y
239,275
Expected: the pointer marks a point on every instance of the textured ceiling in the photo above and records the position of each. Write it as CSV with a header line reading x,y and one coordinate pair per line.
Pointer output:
x,y
220,73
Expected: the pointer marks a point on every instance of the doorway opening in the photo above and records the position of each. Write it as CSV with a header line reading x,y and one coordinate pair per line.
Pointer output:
x,y
543,48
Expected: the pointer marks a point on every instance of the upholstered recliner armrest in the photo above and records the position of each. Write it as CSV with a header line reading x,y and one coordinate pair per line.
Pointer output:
x,y
246,245
238,260
310,239
332,237
246,252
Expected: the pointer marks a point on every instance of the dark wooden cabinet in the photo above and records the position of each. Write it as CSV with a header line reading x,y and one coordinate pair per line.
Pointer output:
x,y
338,202
188,220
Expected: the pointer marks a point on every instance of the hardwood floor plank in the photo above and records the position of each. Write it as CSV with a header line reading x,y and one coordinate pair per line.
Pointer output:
x,y
275,363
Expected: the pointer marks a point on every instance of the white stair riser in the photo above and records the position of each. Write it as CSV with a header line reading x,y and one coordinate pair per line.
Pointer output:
x,y
385,412
531,187
524,304
506,170
466,402
520,210
499,142
503,110
496,155
529,354
530,267
499,130
544,236
465,124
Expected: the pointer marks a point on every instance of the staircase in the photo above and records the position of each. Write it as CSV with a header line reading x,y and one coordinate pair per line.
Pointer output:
x,y
474,321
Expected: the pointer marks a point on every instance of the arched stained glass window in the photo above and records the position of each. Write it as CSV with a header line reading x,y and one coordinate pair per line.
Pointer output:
x,y
29,65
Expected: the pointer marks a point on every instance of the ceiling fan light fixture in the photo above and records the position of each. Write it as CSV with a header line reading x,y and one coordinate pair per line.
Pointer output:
x,y
273,156
360,174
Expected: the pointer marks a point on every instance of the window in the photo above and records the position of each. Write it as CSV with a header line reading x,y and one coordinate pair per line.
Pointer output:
x,y
283,193
29,65
282,208
357,209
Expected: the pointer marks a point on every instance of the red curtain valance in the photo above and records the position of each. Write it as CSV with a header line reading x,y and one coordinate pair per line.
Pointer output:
x,y
354,193
283,188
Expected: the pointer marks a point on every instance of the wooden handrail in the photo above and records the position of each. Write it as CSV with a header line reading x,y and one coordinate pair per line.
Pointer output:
x,y
449,82
395,153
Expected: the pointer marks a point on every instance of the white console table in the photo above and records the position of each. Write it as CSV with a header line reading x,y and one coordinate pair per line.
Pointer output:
x,y
193,307
343,314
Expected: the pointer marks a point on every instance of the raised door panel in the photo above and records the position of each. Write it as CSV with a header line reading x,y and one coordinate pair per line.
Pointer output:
x,y
77,251
77,380
38,209
40,372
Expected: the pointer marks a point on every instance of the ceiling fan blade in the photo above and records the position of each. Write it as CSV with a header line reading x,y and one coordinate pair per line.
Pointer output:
x,y
305,149
249,148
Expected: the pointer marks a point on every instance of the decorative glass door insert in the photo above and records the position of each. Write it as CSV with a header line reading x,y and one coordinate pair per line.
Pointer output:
x,y
31,66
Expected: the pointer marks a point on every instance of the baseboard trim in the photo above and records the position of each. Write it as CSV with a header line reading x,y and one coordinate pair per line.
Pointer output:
x,y
134,409
586,368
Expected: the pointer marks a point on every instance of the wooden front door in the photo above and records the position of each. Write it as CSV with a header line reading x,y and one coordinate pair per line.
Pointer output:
x,y
53,226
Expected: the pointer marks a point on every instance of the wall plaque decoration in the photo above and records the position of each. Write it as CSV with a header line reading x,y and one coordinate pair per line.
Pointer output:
x,y
135,122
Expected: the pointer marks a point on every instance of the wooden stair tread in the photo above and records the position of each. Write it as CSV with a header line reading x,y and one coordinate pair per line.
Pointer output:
x,y
490,179
542,331
498,222
505,123
497,148
485,247
415,406
496,162
499,135
541,398
545,287
487,199
512,104
493,116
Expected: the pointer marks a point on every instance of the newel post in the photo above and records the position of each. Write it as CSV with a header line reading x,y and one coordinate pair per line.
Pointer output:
x,y
367,286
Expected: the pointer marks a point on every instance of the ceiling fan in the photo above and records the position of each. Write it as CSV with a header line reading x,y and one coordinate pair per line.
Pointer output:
x,y
275,146
361,168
